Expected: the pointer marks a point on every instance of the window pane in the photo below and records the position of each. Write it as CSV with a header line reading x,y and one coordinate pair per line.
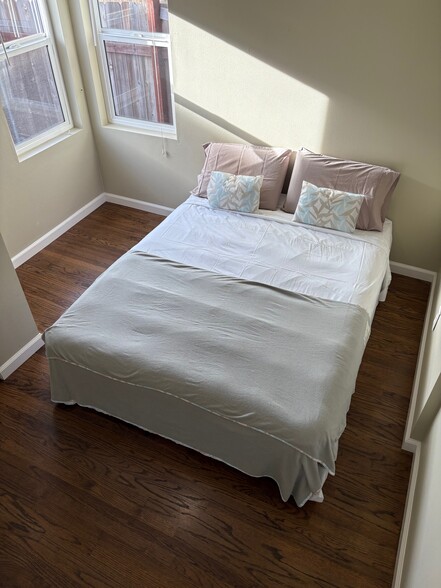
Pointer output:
x,y
135,15
140,81
18,19
29,96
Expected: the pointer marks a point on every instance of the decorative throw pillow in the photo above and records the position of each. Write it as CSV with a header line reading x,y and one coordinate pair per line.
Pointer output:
x,y
231,192
248,160
373,181
331,209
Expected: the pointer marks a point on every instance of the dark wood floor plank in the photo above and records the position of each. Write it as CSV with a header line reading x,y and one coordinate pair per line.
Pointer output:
x,y
112,533
86,500
190,498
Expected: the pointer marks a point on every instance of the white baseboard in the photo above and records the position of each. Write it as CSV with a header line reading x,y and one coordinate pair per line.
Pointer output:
x,y
138,204
408,442
404,535
72,220
412,272
25,352
21,356
57,231
42,242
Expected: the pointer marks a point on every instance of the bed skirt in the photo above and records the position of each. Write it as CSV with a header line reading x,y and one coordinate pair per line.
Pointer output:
x,y
243,448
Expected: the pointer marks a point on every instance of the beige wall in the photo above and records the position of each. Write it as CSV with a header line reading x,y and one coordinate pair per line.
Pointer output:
x,y
354,79
17,326
42,191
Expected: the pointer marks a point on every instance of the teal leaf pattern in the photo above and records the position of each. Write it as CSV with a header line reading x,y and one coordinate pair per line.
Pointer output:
x,y
327,208
231,192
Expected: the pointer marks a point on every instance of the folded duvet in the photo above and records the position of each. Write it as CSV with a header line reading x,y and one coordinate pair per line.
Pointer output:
x,y
255,357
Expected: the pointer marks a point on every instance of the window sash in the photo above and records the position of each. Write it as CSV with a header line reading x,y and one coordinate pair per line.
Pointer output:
x,y
150,39
21,45
135,36
30,43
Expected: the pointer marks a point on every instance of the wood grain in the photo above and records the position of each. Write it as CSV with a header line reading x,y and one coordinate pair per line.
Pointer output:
x,y
86,500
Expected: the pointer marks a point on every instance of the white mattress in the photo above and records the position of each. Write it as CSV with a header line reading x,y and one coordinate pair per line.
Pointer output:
x,y
268,247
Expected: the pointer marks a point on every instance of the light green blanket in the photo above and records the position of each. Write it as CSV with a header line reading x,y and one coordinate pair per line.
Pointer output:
x,y
277,362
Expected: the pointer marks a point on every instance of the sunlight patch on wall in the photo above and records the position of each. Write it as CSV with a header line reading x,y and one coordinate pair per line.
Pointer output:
x,y
246,92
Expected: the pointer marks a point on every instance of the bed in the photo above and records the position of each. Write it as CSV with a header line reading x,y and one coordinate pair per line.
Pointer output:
x,y
237,334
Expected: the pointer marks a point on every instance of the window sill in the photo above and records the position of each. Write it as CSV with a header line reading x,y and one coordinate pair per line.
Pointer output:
x,y
28,153
165,134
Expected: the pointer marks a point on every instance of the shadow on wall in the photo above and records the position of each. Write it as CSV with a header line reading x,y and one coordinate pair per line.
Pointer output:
x,y
233,86
360,55
218,121
333,76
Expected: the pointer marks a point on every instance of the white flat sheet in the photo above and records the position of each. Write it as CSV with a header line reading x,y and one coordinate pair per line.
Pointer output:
x,y
268,247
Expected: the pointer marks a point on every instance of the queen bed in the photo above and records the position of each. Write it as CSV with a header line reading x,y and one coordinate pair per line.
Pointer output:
x,y
237,334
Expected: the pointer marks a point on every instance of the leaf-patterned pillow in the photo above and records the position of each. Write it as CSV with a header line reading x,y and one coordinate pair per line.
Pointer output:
x,y
240,193
331,209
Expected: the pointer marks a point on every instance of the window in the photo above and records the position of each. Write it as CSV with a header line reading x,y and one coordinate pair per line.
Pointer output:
x,y
134,53
31,87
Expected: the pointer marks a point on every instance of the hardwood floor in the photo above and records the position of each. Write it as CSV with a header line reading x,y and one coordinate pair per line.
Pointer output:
x,y
86,500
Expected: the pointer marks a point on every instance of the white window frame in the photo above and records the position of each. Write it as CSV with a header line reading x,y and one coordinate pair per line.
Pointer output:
x,y
151,39
45,39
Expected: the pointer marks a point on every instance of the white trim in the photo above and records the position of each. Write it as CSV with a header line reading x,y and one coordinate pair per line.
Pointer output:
x,y
412,272
42,146
21,356
57,231
138,204
77,216
407,516
101,35
409,444
156,130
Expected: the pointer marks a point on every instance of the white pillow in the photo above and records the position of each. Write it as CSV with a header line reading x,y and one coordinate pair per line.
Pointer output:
x,y
331,209
230,192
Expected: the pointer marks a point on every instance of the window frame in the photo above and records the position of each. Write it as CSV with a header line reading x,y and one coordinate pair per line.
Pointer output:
x,y
30,43
151,39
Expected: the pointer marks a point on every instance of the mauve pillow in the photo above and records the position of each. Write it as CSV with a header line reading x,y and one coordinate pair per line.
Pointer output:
x,y
247,160
373,181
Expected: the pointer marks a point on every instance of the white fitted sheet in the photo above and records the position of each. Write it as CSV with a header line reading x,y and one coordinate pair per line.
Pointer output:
x,y
268,247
